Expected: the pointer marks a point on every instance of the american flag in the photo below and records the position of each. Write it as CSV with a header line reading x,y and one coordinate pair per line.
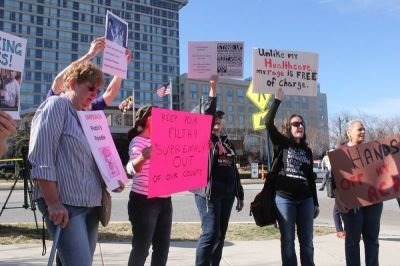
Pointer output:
x,y
164,90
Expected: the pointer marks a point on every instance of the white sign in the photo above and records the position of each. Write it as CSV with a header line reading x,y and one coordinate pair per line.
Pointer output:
x,y
95,127
12,62
114,57
224,59
254,170
295,72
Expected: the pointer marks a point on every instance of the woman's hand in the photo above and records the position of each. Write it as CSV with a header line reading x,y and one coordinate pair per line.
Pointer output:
x,y
58,214
95,46
146,152
316,211
239,205
120,188
213,85
128,54
279,94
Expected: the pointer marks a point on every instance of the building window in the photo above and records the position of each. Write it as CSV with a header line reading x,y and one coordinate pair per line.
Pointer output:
x,y
229,95
240,95
288,101
304,102
193,91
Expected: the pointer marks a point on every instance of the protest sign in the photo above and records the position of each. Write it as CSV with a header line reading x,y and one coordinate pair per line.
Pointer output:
x,y
114,58
12,62
259,99
179,156
95,128
206,59
294,72
366,173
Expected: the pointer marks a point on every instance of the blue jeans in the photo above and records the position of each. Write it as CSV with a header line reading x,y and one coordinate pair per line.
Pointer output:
x,y
363,221
214,216
78,240
300,213
151,221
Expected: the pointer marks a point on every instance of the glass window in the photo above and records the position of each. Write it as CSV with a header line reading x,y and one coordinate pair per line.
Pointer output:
x,y
193,91
287,101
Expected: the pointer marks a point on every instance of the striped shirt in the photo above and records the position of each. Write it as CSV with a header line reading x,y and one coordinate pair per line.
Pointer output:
x,y
59,152
140,180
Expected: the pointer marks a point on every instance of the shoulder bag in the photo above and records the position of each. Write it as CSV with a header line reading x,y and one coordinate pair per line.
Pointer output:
x,y
104,211
263,207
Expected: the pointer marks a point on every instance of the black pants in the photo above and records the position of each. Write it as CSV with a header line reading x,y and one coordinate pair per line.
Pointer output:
x,y
151,221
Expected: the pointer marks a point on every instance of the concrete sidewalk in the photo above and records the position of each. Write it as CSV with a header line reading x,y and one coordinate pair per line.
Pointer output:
x,y
329,250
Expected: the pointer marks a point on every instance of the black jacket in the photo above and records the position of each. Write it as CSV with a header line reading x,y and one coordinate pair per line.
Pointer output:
x,y
209,107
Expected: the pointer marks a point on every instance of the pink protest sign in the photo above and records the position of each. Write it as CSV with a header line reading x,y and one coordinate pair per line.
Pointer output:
x,y
179,156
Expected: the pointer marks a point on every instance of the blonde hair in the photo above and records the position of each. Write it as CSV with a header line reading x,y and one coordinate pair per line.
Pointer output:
x,y
82,72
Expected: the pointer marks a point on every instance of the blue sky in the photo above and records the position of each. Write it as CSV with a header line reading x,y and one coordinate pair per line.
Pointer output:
x,y
357,40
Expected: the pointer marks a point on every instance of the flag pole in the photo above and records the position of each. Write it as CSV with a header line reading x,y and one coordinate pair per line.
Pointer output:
x,y
170,85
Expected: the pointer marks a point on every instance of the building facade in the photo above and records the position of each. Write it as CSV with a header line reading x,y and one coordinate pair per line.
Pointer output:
x,y
238,108
60,31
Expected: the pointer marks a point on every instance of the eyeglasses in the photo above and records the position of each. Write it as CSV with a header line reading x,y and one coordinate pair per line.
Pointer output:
x,y
297,124
93,89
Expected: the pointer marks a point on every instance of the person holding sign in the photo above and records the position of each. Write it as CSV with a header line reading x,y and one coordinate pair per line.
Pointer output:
x,y
363,221
151,219
214,202
111,92
68,183
296,199
8,127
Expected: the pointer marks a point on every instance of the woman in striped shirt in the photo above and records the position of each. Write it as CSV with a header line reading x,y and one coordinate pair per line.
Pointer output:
x,y
151,219
67,179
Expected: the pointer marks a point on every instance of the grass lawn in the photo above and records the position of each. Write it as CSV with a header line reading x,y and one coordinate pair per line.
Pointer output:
x,y
121,232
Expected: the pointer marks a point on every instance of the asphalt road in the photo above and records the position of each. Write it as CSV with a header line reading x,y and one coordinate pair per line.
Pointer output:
x,y
185,209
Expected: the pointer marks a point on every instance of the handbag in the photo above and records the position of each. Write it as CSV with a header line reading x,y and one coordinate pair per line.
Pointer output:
x,y
263,207
104,211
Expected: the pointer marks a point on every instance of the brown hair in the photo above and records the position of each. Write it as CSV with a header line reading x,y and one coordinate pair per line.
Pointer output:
x,y
286,129
140,121
83,72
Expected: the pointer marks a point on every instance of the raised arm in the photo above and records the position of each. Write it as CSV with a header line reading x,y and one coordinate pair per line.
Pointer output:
x,y
95,47
275,136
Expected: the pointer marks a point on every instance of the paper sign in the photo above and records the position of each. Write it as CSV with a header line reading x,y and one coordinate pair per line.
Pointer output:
x,y
254,170
367,173
206,59
259,99
259,120
294,72
114,58
12,62
95,128
179,156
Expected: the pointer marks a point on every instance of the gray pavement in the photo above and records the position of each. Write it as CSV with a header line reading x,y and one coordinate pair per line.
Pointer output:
x,y
329,250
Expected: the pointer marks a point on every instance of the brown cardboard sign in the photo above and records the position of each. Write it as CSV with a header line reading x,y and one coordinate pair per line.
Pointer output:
x,y
367,173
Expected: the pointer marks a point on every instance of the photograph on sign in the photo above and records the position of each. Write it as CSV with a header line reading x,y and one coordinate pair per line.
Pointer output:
x,y
295,72
114,59
12,64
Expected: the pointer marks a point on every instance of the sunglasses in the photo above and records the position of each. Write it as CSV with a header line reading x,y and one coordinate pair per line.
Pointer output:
x,y
297,124
93,89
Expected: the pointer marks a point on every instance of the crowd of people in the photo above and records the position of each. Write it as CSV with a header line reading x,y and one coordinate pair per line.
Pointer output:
x,y
68,196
